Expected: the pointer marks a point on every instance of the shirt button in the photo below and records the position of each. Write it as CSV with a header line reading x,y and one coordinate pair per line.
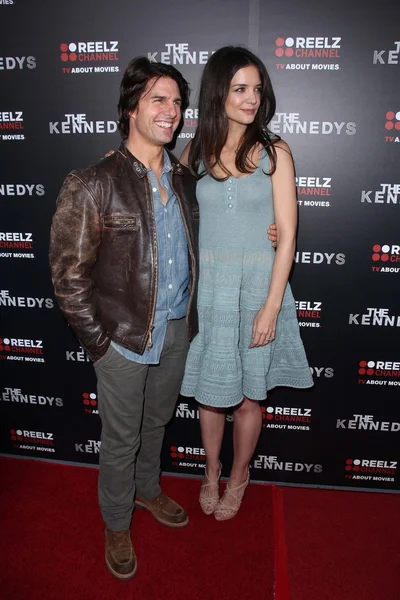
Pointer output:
x,y
170,261
154,189
229,205
168,235
229,197
229,180
170,286
165,210
229,189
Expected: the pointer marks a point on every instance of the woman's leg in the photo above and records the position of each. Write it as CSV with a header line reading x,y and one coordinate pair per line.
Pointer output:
x,y
212,424
247,422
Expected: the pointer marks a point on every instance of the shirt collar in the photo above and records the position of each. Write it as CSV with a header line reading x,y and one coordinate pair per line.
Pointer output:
x,y
167,166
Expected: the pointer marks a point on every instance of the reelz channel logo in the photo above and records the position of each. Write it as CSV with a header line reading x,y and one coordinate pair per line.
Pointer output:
x,y
78,124
182,454
284,123
7,300
12,240
385,255
313,186
367,423
303,48
37,441
21,350
309,312
89,52
271,463
89,401
379,372
370,470
191,118
392,124
387,194
16,395
12,121
284,417
179,54
375,317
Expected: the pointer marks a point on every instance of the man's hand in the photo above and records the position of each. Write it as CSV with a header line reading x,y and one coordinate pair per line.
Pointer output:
x,y
272,235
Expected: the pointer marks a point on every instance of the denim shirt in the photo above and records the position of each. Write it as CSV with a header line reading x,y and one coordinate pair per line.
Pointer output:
x,y
173,266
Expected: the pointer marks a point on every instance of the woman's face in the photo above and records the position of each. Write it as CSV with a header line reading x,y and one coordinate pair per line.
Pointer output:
x,y
244,96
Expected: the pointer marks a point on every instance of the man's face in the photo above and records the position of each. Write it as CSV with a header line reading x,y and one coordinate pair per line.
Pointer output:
x,y
158,112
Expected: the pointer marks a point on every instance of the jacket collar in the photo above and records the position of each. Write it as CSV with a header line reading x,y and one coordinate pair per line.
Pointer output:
x,y
140,170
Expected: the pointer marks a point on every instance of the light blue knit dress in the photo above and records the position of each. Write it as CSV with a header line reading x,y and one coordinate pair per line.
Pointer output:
x,y
236,260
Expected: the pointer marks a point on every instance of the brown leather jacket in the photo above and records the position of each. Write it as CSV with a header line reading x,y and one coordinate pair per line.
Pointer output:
x,y
103,251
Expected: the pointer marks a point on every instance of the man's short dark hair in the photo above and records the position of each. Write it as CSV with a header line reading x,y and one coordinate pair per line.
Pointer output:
x,y
137,74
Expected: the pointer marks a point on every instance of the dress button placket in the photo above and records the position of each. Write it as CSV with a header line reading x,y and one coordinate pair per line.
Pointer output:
x,y
230,190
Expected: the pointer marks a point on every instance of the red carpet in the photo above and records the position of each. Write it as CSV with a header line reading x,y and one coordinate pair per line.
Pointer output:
x,y
326,545
342,545
53,542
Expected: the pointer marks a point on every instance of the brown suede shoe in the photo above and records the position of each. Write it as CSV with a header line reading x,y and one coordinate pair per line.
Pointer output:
x,y
120,555
164,509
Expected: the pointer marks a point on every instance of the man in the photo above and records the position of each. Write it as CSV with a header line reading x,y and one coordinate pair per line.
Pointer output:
x,y
123,256
124,270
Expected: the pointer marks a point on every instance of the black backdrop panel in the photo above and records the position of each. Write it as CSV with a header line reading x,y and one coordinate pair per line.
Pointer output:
x,y
335,73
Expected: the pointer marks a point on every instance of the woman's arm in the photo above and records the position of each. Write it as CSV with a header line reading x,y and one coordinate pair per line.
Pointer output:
x,y
285,208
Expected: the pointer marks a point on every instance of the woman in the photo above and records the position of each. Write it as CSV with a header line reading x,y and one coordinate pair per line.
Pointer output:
x,y
248,340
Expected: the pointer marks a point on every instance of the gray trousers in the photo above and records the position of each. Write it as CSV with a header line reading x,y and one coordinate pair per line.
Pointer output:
x,y
135,403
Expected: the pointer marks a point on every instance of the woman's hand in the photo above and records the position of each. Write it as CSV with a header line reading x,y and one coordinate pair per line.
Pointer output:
x,y
264,326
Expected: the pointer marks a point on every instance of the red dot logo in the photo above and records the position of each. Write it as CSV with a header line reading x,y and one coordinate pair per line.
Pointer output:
x,y
362,364
89,399
68,52
392,120
366,367
267,412
5,345
380,252
284,47
177,452
352,464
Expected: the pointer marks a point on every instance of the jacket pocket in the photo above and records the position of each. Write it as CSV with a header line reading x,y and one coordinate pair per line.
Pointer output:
x,y
121,222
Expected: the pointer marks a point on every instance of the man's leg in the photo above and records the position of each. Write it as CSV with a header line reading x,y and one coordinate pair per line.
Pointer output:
x,y
161,394
120,385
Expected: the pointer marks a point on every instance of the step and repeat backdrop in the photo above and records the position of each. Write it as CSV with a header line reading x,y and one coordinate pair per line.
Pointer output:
x,y
335,68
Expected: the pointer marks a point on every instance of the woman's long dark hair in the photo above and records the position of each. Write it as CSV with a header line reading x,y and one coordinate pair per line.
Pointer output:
x,y
212,130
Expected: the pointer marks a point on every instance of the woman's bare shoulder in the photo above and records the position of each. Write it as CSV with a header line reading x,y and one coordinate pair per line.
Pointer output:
x,y
281,145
